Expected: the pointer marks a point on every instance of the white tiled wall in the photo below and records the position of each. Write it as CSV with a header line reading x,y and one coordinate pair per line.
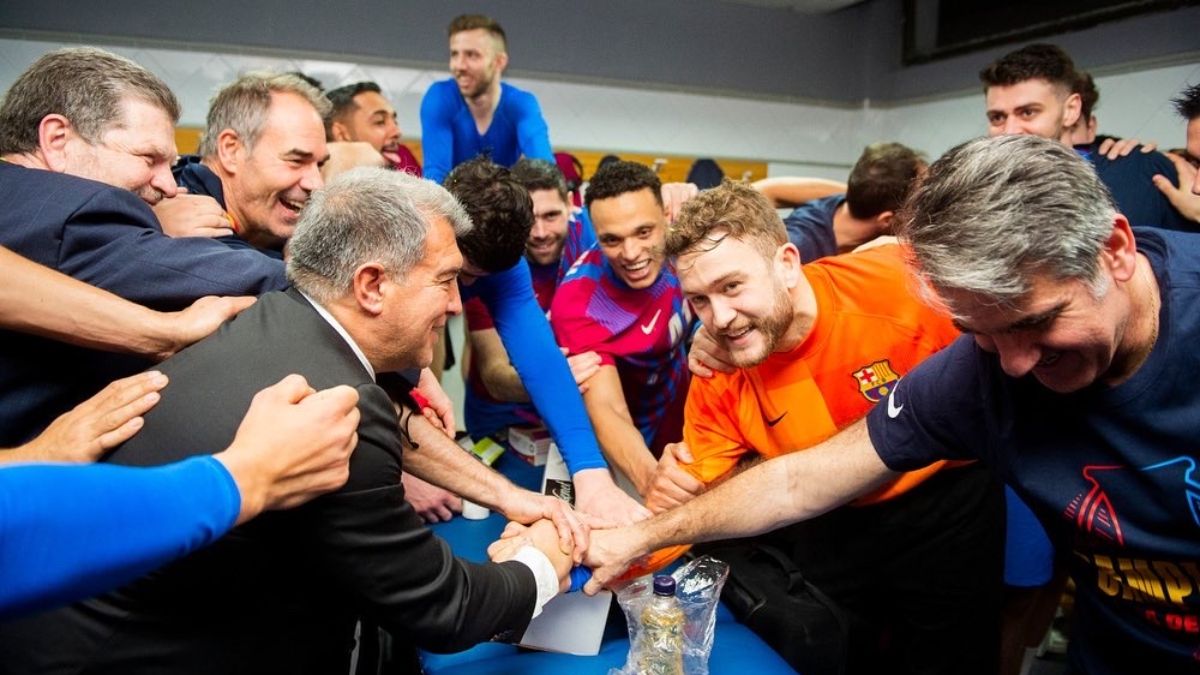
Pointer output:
x,y
792,138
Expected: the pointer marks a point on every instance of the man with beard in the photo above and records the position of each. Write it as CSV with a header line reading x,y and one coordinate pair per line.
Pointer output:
x,y
260,158
621,301
474,113
815,347
360,113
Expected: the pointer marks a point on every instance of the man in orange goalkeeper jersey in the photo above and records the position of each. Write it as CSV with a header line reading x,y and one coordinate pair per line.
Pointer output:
x,y
914,568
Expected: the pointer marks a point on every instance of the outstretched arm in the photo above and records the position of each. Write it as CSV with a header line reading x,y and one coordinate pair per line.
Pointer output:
x,y
69,531
788,191
620,439
36,299
783,490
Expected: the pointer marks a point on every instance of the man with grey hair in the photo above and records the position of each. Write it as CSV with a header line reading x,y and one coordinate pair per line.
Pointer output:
x,y
1075,381
87,139
374,265
259,159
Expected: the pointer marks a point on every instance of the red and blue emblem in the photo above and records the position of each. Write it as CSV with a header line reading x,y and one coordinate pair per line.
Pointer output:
x,y
876,380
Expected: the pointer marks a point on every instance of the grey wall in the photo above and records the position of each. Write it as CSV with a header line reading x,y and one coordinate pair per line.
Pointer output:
x,y
1160,38
700,45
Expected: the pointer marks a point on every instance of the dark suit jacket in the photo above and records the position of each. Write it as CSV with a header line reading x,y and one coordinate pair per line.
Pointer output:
x,y
279,594
109,238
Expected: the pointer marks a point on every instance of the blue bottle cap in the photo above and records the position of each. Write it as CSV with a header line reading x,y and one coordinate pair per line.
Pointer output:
x,y
664,584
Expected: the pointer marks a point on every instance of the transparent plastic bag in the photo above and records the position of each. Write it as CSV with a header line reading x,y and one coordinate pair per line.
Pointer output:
x,y
697,590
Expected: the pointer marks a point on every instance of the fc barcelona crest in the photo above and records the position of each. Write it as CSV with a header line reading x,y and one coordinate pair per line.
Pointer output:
x,y
875,381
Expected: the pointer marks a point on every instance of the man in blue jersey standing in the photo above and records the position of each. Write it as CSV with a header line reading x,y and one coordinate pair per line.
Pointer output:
x,y
474,113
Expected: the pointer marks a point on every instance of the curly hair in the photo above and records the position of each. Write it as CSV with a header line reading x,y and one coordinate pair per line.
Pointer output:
x,y
500,209
732,209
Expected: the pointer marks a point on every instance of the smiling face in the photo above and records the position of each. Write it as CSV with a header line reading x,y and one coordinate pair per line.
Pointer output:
x,y
742,297
372,120
632,230
135,154
476,60
418,305
1060,332
1035,107
549,232
268,184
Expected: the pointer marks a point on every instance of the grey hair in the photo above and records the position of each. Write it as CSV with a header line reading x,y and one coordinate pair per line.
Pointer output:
x,y
84,84
364,215
242,106
994,212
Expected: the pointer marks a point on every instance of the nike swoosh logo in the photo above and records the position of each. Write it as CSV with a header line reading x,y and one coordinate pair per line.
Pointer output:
x,y
775,421
893,410
650,326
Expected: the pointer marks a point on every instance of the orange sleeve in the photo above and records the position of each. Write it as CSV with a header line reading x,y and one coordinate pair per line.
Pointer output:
x,y
710,433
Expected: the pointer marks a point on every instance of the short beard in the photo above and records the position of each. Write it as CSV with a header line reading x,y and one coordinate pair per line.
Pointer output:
x,y
772,327
479,90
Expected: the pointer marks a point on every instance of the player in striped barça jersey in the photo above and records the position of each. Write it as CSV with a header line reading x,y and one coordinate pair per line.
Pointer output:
x,y
621,300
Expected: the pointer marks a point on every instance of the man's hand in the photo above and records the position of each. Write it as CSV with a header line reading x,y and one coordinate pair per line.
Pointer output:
x,y
671,486
528,507
442,407
705,355
431,502
1116,148
186,215
346,155
95,426
542,536
674,195
1182,197
611,553
199,321
292,445
583,367
604,504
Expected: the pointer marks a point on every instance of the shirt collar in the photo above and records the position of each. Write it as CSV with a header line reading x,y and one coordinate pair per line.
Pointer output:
x,y
341,331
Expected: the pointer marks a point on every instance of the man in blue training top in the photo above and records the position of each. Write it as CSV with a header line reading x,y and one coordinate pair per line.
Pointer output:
x,y
474,113
848,218
495,271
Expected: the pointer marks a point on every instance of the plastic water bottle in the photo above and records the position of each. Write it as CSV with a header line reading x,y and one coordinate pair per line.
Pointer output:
x,y
661,648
